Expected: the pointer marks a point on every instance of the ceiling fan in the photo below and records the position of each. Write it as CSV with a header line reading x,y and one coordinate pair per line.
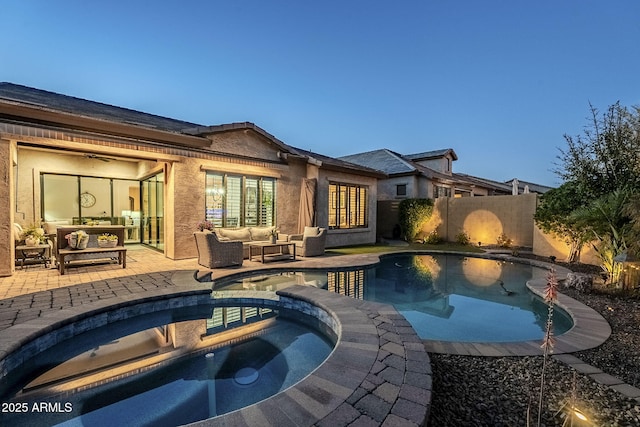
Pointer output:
x,y
97,157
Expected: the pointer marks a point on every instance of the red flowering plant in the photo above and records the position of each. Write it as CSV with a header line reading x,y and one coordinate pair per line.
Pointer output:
x,y
205,225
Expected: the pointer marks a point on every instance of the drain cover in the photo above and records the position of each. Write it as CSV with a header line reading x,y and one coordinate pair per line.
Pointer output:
x,y
246,376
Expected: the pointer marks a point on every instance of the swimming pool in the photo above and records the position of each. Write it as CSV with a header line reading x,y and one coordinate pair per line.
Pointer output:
x,y
174,374
444,297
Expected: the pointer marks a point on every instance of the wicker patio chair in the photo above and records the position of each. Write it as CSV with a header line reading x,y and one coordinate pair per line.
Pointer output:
x,y
212,253
311,242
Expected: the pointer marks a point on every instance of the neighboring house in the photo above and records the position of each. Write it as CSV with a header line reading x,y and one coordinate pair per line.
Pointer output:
x,y
423,175
430,175
65,159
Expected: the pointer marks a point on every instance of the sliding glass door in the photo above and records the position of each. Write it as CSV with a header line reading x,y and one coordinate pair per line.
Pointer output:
x,y
75,199
153,211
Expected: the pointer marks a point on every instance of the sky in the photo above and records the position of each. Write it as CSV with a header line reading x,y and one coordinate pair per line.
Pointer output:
x,y
498,81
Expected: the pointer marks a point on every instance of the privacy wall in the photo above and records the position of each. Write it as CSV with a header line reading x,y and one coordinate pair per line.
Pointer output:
x,y
484,219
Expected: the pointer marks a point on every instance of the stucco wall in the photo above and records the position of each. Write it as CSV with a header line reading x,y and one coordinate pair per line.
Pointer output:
x,y
244,142
485,218
418,187
346,237
549,245
6,209
187,185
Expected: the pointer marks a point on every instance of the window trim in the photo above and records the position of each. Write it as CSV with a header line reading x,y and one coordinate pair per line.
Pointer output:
x,y
340,206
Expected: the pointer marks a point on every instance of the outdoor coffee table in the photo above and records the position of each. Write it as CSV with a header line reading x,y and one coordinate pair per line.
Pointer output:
x,y
258,248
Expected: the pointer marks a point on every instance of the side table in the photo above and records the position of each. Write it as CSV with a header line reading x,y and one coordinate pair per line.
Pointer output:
x,y
40,253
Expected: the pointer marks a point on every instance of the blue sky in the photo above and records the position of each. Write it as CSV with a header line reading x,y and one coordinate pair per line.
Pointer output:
x,y
500,82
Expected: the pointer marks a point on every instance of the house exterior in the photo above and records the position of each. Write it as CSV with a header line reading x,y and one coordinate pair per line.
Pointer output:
x,y
70,160
427,175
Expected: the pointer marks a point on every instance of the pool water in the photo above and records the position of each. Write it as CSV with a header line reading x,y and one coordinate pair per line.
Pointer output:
x,y
189,388
444,297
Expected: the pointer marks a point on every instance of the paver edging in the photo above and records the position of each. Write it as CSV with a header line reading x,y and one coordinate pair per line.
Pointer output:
x,y
356,364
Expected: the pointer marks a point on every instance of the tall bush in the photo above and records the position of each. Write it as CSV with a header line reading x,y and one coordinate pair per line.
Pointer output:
x,y
607,222
414,213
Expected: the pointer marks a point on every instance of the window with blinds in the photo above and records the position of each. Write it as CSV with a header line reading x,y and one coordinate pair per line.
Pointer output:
x,y
347,206
440,191
240,201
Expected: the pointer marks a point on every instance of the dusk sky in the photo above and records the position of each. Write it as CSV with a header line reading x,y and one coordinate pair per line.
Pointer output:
x,y
500,82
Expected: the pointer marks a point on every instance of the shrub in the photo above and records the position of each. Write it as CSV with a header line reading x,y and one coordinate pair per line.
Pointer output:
x,y
504,241
413,214
432,238
463,238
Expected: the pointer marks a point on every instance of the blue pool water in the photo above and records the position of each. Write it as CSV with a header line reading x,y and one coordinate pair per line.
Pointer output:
x,y
444,297
189,388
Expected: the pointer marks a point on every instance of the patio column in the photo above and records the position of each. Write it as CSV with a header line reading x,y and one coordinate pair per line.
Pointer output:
x,y
7,159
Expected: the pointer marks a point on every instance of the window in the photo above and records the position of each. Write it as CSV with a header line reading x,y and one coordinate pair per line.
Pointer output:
x,y
347,206
401,190
439,191
238,201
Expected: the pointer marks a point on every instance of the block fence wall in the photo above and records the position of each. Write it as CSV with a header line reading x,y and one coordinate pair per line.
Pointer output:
x,y
484,219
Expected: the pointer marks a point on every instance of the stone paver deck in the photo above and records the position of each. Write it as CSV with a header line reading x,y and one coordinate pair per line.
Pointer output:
x,y
36,291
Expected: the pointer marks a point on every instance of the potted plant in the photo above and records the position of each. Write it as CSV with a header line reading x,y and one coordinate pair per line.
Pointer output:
x,y
273,235
205,225
107,240
78,239
33,235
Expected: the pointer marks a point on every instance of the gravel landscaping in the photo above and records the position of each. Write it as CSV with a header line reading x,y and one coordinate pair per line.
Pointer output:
x,y
483,391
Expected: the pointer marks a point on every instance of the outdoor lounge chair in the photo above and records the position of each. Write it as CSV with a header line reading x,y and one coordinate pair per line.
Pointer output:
x,y
212,253
311,242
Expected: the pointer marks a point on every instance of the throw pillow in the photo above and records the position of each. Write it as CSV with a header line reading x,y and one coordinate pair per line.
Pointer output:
x,y
261,233
311,231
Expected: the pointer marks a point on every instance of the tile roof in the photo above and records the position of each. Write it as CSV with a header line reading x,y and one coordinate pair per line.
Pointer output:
x,y
384,160
339,163
81,107
432,154
393,163
51,101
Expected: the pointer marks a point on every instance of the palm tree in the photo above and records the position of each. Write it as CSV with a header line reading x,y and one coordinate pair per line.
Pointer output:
x,y
608,225
632,210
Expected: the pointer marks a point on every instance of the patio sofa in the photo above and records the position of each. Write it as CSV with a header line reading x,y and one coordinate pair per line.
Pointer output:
x,y
247,235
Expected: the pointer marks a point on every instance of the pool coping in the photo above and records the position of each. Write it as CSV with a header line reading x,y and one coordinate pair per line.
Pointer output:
x,y
589,328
